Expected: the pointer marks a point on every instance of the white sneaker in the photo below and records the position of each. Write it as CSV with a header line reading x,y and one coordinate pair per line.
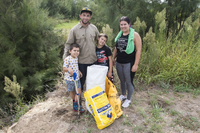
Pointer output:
x,y
122,97
126,103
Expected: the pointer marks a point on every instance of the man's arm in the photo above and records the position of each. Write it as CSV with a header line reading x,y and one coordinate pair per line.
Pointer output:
x,y
97,34
70,40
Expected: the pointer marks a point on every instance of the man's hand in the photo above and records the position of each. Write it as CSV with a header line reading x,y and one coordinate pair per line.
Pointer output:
x,y
80,74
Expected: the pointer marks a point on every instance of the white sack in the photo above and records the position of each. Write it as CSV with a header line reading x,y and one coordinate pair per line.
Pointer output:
x,y
96,76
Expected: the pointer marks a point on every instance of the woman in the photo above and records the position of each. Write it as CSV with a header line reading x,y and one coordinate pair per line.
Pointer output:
x,y
127,51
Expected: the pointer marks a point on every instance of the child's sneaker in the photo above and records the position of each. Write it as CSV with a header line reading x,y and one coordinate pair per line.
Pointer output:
x,y
81,109
75,106
122,97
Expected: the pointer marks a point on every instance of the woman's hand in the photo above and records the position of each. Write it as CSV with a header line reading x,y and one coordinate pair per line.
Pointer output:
x,y
134,68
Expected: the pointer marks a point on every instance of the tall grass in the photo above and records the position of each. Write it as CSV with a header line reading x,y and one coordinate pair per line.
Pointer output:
x,y
175,59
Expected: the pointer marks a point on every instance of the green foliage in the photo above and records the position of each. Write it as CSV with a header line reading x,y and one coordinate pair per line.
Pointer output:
x,y
174,113
126,121
174,59
156,128
139,129
110,12
181,88
20,111
156,111
29,47
188,122
66,25
59,8
143,113
140,26
109,32
196,92
107,12
13,87
67,9
3,115
23,107
177,11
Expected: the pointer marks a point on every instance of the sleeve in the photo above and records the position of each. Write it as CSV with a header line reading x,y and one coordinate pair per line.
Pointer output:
x,y
66,63
97,34
70,40
108,51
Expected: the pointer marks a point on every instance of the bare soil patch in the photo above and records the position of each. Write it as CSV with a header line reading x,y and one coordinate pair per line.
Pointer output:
x,y
152,110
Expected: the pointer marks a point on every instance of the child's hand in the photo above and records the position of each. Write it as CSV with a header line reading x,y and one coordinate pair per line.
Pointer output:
x,y
70,71
109,74
80,74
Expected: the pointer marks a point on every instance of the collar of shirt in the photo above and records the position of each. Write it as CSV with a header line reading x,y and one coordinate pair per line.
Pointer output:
x,y
80,25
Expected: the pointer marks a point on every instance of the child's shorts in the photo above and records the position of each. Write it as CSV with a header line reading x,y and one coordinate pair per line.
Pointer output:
x,y
71,85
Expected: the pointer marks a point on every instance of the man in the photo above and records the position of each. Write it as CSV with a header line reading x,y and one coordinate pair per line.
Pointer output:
x,y
85,34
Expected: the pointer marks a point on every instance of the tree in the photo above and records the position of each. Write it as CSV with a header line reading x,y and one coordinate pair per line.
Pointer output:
x,y
178,11
110,12
29,48
65,8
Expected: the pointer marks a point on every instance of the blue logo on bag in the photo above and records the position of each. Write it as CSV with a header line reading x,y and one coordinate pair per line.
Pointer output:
x,y
109,115
103,108
91,110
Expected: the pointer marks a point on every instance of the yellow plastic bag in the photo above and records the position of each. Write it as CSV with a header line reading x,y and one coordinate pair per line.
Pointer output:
x,y
113,97
100,107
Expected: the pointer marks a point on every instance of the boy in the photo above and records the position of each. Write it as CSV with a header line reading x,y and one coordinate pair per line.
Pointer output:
x,y
70,67
104,55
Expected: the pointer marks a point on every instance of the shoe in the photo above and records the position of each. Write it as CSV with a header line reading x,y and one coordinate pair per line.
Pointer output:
x,y
75,106
126,103
122,97
81,109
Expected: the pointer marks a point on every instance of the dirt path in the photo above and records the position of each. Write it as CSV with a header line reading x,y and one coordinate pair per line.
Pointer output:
x,y
152,110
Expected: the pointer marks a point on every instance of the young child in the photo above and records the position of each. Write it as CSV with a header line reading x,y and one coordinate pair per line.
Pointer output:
x,y
69,67
104,55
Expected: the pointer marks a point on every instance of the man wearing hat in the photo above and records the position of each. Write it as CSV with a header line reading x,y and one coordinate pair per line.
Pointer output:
x,y
85,34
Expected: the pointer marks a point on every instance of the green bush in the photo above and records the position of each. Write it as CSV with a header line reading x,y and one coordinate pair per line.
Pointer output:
x,y
30,49
175,59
